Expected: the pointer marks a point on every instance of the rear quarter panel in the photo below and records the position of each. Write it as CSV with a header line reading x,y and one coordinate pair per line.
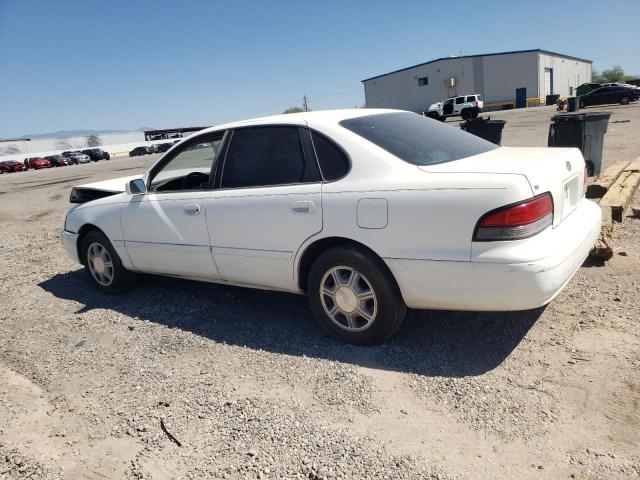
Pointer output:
x,y
432,216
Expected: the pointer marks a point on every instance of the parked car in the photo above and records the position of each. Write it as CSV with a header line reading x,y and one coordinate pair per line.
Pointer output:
x,y
79,157
466,106
36,163
606,95
163,147
366,211
9,166
616,84
96,154
140,151
59,160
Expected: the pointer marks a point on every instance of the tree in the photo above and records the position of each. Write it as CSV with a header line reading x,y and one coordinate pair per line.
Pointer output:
x,y
610,75
597,77
94,141
293,110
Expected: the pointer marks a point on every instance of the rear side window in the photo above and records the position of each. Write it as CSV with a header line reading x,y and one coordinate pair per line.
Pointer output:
x,y
471,99
459,100
264,156
417,139
334,164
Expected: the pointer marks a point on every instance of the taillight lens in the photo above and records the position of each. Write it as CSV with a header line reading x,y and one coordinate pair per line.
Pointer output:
x,y
517,221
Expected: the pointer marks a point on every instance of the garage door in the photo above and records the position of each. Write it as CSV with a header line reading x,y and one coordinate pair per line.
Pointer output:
x,y
548,81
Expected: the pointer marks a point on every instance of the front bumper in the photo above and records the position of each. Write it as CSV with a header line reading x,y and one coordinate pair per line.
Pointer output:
x,y
496,286
70,243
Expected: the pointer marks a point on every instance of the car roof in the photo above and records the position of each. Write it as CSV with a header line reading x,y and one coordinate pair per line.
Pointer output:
x,y
314,117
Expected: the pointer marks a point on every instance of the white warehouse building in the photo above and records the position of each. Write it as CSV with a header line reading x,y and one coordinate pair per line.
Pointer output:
x,y
505,79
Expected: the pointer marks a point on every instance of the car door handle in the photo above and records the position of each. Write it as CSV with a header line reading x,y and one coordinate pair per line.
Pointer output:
x,y
303,206
191,209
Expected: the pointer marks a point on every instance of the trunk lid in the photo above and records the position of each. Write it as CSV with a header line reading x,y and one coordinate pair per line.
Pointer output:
x,y
559,171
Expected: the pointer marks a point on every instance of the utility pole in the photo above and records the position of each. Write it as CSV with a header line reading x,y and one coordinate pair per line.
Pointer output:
x,y
305,103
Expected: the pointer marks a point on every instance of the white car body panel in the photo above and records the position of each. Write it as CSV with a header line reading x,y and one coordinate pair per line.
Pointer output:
x,y
112,185
419,220
255,232
161,238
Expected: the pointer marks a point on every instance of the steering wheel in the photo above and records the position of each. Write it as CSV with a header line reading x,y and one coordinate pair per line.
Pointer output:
x,y
194,179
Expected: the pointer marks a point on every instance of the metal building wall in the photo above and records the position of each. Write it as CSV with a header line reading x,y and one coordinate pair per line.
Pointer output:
x,y
401,89
503,74
567,73
496,77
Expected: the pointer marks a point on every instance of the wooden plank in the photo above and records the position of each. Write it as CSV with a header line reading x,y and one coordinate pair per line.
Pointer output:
x,y
598,188
633,166
619,196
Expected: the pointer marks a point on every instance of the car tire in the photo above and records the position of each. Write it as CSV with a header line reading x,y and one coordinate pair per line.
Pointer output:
x,y
354,296
103,265
624,101
465,114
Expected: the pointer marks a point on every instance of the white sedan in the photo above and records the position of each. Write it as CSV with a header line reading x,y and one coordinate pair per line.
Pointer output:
x,y
366,211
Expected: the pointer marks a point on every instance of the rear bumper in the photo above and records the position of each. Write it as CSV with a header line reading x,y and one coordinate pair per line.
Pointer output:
x,y
70,243
497,286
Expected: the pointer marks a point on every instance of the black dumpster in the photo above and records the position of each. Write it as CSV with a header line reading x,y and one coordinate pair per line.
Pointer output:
x,y
486,128
552,99
573,104
584,131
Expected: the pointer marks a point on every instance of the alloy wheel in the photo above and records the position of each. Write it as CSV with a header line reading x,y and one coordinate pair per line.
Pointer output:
x,y
100,264
348,298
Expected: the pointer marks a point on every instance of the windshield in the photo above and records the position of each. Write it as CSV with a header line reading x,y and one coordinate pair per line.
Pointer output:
x,y
417,139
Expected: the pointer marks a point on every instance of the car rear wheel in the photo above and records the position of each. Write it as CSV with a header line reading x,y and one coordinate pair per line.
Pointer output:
x,y
624,100
354,297
466,114
103,265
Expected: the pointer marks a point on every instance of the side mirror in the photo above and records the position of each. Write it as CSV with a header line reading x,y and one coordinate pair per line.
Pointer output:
x,y
136,187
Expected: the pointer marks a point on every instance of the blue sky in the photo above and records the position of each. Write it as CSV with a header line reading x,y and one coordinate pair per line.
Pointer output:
x,y
124,64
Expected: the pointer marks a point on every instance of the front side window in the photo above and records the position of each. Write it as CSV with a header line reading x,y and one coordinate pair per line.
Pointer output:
x,y
417,139
189,168
266,156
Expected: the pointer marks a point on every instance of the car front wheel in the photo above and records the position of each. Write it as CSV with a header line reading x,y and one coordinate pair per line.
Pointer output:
x,y
354,296
103,265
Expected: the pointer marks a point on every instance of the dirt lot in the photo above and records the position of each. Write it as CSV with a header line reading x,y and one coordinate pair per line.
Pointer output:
x,y
245,382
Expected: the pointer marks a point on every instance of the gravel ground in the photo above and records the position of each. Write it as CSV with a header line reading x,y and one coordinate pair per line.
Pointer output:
x,y
248,387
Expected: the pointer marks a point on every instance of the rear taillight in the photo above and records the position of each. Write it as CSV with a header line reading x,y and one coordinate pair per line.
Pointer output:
x,y
516,221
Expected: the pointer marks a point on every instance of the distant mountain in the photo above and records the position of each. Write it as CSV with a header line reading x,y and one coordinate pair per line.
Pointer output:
x,y
75,133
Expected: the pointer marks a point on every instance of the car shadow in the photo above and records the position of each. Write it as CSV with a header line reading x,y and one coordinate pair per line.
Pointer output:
x,y
430,343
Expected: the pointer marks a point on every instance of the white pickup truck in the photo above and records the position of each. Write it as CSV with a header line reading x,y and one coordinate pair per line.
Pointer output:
x,y
466,106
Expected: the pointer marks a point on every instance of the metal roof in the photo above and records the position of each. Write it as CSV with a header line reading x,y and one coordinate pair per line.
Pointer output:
x,y
173,130
547,52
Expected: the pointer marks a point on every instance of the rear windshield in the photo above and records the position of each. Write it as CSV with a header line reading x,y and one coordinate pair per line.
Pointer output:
x,y
417,139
